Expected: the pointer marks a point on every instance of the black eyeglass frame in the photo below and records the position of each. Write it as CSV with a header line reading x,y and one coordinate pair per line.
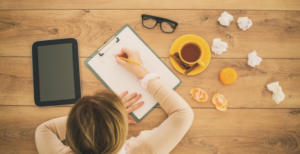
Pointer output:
x,y
159,20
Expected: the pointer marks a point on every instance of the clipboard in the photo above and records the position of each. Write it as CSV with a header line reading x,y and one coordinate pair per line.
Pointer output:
x,y
113,45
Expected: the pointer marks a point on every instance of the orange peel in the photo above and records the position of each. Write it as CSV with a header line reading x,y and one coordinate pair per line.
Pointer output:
x,y
199,94
220,102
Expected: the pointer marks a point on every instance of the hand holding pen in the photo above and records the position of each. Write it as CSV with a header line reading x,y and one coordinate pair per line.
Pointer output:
x,y
133,63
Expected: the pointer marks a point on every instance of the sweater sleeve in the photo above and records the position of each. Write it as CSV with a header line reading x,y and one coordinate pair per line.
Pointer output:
x,y
48,137
168,134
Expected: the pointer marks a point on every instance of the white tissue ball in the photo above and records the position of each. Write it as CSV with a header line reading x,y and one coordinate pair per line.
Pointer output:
x,y
244,23
253,59
218,46
225,19
278,95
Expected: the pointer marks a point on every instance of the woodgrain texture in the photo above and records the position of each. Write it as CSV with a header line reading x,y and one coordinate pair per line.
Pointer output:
x,y
249,91
153,4
253,123
274,34
235,131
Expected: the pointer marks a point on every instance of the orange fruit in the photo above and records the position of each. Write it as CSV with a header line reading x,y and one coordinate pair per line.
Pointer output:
x,y
224,108
199,94
220,102
228,75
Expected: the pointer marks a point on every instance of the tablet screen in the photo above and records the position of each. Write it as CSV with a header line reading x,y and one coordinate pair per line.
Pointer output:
x,y
56,75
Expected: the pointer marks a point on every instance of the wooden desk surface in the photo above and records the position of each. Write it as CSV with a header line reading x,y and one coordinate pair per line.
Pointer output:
x,y
253,122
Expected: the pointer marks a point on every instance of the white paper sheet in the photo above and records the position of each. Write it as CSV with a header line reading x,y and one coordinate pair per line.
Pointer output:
x,y
120,80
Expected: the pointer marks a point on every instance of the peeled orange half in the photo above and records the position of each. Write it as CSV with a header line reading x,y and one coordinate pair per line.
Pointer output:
x,y
228,75
199,94
220,102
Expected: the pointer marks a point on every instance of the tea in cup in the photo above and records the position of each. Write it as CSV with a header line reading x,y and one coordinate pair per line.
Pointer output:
x,y
190,52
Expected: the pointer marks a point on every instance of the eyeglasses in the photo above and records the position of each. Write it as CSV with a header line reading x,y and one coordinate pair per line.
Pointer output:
x,y
166,25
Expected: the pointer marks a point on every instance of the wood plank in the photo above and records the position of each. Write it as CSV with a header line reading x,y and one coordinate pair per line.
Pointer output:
x,y
153,4
249,91
235,131
274,34
250,131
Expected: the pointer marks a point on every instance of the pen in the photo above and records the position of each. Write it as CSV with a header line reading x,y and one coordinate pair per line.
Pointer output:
x,y
131,61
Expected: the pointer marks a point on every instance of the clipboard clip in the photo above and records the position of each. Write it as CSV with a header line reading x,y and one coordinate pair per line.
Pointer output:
x,y
106,44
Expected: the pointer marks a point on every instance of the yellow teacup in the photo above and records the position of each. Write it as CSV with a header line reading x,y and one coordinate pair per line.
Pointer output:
x,y
190,52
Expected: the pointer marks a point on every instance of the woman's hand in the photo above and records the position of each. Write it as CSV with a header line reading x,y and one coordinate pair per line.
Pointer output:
x,y
134,55
129,100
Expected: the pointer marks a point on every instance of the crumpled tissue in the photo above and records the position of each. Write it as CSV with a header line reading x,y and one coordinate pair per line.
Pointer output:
x,y
253,59
278,95
244,23
218,46
225,19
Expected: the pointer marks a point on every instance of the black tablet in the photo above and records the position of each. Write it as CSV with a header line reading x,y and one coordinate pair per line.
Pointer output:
x,y
56,78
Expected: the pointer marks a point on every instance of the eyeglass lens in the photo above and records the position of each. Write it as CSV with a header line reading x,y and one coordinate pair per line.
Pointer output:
x,y
149,22
167,27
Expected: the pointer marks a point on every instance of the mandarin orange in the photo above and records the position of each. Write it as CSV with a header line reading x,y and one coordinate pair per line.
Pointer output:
x,y
199,94
228,75
220,102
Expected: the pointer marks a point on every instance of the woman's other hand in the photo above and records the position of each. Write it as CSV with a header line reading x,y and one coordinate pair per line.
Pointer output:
x,y
134,55
129,100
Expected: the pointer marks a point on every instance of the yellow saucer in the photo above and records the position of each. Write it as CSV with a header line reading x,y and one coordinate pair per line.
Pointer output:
x,y
206,54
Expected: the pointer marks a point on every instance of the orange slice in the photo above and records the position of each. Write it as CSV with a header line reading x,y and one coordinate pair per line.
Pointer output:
x,y
220,102
199,94
228,75
222,108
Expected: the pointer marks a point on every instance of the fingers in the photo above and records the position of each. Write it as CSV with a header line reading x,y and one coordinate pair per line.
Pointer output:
x,y
126,99
134,107
133,100
125,52
120,61
123,94
130,121
121,52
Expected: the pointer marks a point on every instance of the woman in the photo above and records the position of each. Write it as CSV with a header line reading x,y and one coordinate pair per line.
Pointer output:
x,y
98,124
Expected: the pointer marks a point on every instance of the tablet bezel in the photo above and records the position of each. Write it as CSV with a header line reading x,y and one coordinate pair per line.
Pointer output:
x,y
35,66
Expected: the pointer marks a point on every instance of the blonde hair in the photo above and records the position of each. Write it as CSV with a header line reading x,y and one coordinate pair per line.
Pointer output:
x,y
97,124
